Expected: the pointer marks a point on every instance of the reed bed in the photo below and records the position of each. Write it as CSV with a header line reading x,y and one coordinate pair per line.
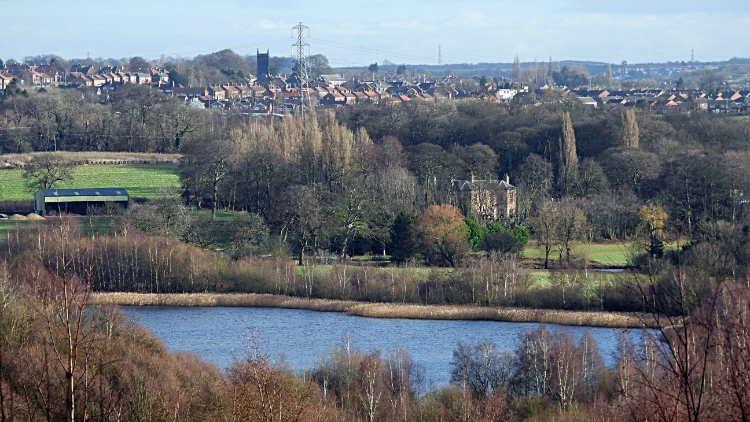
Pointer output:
x,y
252,300
94,158
381,310
547,316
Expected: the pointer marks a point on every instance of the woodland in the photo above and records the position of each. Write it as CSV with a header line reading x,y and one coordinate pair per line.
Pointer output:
x,y
320,189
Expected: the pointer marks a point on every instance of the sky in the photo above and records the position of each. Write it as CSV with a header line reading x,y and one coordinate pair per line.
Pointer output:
x,y
356,33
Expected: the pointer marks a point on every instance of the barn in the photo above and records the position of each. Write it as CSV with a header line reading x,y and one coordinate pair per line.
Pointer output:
x,y
77,201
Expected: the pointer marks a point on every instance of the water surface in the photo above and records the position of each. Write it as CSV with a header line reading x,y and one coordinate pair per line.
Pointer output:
x,y
301,337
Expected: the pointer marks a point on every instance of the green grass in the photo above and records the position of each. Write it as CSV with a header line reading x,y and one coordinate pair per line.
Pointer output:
x,y
140,180
416,272
609,254
541,278
7,225
612,254
223,216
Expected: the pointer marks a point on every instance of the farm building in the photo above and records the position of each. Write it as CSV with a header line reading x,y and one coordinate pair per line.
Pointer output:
x,y
77,201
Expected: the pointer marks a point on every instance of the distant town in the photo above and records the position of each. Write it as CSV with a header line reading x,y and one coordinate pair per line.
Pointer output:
x,y
704,87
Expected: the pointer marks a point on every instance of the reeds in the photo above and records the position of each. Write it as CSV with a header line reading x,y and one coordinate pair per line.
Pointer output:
x,y
252,300
382,310
94,158
547,316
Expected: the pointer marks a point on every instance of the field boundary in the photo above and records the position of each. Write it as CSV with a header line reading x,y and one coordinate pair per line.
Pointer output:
x,y
381,310
19,161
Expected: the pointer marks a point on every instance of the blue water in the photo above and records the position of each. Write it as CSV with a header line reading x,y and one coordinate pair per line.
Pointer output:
x,y
301,337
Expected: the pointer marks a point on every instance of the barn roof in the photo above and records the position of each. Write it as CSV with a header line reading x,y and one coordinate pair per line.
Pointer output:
x,y
84,192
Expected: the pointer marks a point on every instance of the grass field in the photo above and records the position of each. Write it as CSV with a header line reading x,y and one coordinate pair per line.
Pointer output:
x,y
612,254
141,180
609,254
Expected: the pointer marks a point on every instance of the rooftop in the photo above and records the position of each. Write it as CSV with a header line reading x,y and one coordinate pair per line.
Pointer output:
x,y
84,192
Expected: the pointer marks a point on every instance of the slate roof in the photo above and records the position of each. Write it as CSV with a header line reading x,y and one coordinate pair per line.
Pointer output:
x,y
468,185
84,192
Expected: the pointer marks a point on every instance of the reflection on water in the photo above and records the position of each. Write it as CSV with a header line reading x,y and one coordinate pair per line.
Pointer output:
x,y
301,337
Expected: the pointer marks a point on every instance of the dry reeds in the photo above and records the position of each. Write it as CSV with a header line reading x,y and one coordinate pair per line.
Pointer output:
x,y
547,316
94,158
221,299
381,310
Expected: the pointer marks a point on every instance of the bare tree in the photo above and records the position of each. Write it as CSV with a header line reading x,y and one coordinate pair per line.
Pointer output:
x,y
545,227
45,171
631,133
567,169
63,300
569,224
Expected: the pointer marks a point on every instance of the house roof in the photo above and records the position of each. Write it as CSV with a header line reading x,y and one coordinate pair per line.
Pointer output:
x,y
84,192
333,78
468,185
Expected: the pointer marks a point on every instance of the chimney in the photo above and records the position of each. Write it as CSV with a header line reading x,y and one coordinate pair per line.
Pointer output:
x,y
507,178
472,177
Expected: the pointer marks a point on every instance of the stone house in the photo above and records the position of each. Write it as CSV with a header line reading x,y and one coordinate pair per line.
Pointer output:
x,y
488,200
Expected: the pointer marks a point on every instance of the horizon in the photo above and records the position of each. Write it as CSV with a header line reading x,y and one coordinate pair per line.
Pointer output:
x,y
354,34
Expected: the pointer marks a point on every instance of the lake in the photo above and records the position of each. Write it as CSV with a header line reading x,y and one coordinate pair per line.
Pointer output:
x,y
301,337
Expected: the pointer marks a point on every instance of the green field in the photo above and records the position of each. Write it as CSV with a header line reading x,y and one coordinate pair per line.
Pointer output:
x,y
141,181
612,254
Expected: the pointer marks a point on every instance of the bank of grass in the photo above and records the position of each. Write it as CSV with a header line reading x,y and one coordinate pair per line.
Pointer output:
x,y
140,180
382,310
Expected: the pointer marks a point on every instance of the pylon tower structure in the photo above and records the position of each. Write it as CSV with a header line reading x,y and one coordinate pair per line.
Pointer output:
x,y
302,67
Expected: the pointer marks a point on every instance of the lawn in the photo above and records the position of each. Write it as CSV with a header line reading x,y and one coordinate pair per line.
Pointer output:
x,y
612,254
140,180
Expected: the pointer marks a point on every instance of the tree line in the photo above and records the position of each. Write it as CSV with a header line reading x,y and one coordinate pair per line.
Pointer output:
x,y
64,359
339,183
126,260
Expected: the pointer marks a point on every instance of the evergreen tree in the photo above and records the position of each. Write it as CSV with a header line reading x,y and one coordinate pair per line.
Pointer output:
x,y
476,233
653,221
680,84
403,245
